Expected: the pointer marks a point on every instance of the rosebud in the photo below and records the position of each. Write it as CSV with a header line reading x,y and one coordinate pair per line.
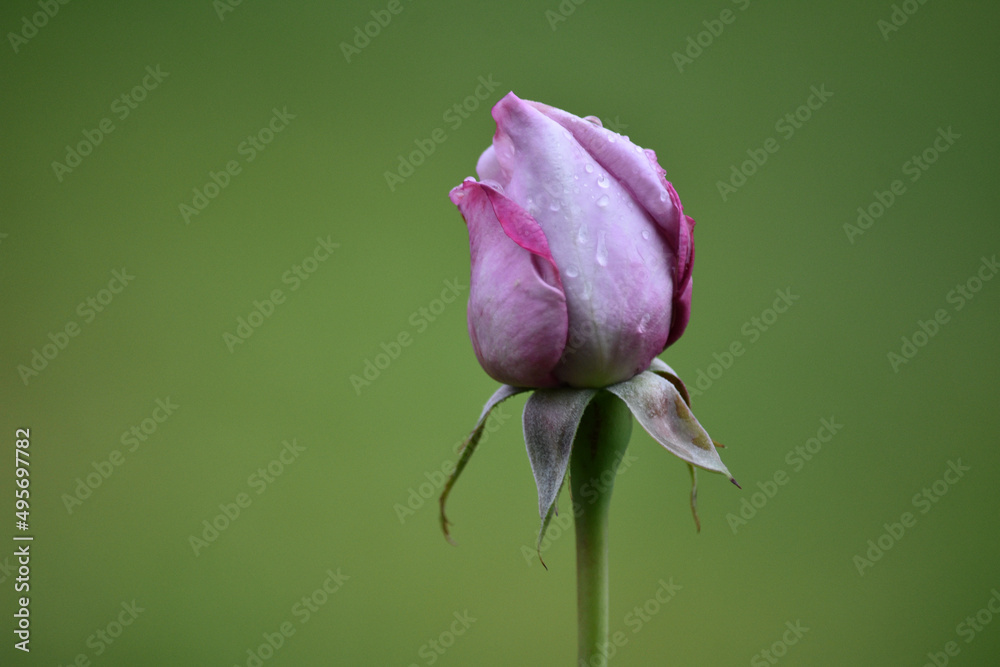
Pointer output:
x,y
581,252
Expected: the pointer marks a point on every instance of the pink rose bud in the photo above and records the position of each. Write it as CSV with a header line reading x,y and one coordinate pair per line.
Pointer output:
x,y
581,252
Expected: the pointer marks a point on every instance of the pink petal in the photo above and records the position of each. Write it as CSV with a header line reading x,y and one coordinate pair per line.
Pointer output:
x,y
639,171
517,313
614,263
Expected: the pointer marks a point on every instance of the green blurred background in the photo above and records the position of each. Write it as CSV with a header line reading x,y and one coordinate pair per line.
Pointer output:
x,y
358,454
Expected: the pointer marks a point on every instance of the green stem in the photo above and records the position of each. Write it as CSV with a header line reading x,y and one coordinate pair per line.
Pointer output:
x,y
601,440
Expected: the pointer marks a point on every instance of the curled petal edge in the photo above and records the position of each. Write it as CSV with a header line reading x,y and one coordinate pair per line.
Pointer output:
x,y
517,315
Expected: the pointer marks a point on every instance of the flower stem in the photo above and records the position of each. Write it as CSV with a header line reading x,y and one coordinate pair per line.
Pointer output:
x,y
601,440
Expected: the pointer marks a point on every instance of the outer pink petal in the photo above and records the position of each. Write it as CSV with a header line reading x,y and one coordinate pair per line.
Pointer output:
x,y
628,163
616,265
685,266
517,313
639,171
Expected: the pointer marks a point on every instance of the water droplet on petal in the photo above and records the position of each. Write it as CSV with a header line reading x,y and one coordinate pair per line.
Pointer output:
x,y
663,195
602,250
554,206
603,181
611,138
644,322
589,168
581,235
603,201
645,234
572,271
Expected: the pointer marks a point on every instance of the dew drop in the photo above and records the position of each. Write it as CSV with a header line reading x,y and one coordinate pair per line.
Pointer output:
x,y
645,234
572,271
602,250
554,206
603,201
582,236
589,168
603,181
611,139
644,322
663,195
